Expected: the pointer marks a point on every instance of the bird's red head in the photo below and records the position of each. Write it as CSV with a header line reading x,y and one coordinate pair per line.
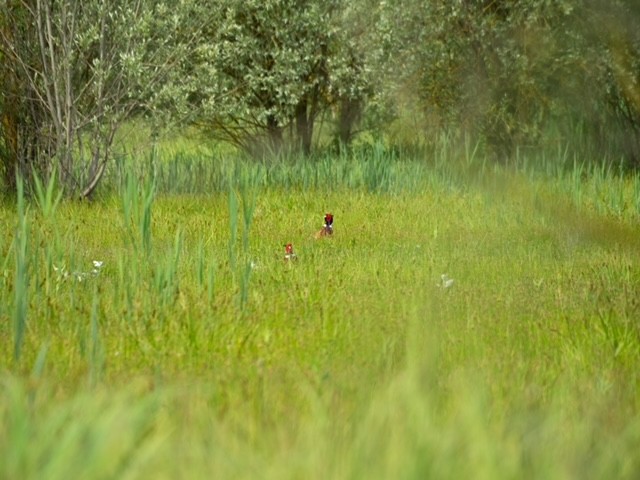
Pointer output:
x,y
288,249
328,220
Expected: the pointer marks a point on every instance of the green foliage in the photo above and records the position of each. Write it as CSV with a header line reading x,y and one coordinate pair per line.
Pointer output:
x,y
286,76
520,74
136,210
21,279
104,62
209,354
271,69
47,197
86,427
353,362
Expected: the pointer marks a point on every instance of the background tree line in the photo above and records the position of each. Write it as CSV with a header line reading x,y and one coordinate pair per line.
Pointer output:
x,y
265,75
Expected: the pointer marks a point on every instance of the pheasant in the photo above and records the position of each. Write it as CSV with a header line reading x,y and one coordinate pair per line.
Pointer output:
x,y
327,229
289,254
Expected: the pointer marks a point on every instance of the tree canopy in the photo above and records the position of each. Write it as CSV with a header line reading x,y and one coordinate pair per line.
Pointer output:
x,y
264,74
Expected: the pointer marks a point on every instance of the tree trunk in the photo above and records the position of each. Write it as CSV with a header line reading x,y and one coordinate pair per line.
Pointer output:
x,y
274,133
304,126
350,110
9,155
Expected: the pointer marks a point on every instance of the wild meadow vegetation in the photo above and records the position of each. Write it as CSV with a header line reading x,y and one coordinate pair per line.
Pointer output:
x,y
474,315
192,349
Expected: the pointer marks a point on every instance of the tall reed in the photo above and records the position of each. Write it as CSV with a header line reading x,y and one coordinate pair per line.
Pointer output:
x,y
137,209
96,353
21,282
233,226
48,195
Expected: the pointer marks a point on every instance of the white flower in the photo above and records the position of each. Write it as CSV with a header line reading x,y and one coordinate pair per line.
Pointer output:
x,y
446,281
97,265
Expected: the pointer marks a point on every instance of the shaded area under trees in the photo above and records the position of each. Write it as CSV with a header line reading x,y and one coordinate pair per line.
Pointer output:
x,y
264,75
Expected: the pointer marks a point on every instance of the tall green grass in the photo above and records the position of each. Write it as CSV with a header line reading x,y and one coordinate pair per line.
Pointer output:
x,y
196,351
450,162
21,278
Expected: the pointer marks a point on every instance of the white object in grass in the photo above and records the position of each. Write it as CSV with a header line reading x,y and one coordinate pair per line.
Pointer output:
x,y
446,281
97,265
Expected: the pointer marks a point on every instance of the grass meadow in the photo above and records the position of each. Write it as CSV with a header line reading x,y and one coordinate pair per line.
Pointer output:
x,y
195,351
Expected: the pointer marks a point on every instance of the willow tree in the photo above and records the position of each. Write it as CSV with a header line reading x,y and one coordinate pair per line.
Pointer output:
x,y
517,72
270,68
74,72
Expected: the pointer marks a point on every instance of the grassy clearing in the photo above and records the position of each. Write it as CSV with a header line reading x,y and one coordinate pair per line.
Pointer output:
x,y
196,351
